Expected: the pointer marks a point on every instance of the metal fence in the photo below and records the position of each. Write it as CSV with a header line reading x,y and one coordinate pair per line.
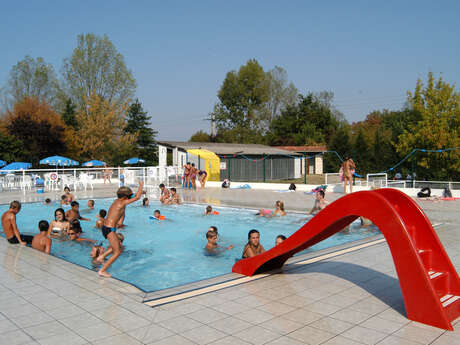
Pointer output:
x,y
86,178
253,168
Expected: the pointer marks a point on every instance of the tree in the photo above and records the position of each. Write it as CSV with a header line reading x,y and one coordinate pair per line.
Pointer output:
x,y
40,130
361,154
100,132
138,124
32,78
438,105
281,93
308,122
69,114
97,68
340,142
12,148
238,113
200,137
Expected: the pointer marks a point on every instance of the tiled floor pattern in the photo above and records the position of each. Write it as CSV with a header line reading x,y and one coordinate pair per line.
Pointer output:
x,y
351,299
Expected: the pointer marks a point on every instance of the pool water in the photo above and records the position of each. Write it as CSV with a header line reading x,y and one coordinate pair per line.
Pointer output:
x,y
164,254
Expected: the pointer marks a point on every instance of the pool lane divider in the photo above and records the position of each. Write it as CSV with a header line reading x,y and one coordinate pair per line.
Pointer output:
x,y
238,281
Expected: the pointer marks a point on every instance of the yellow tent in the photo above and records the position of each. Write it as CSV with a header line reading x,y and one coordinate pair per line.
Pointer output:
x,y
206,160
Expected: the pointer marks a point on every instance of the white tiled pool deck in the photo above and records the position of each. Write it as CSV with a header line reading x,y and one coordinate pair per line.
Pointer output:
x,y
353,298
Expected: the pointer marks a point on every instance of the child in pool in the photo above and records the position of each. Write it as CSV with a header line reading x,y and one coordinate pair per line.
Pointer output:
x,y
120,238
96,251
279,205
145,202
253,247
157,215
101,218
210,211
279,239
212,238
75,232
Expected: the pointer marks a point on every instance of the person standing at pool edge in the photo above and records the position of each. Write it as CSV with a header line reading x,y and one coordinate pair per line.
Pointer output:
x,y
109,227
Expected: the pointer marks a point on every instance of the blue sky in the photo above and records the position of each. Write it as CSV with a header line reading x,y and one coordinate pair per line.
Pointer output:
x,y
369,53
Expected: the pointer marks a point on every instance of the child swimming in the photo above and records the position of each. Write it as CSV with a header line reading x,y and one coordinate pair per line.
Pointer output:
x,y
212,238
157,215
210,211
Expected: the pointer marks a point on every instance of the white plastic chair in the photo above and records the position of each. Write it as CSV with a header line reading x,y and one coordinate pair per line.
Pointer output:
x,y
26,182
68,180
85,180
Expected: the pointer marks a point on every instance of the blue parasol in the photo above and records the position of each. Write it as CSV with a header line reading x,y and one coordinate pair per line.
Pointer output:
x,y
58,161
134,160
17,166
94,163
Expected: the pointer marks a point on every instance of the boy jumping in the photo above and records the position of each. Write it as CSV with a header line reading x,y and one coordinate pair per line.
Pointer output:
x,y
109,227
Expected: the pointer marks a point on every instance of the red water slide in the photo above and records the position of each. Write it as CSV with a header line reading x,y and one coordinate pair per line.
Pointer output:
x,y
429,282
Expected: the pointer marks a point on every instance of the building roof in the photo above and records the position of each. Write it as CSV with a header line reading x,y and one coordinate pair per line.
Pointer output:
x,y
307,149
227,149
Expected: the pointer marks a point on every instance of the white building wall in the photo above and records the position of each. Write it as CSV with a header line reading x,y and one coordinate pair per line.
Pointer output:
x,y
162,155
298,168
319,165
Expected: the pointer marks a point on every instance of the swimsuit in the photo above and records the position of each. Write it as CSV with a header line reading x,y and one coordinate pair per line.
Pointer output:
x,y
26,238
106,230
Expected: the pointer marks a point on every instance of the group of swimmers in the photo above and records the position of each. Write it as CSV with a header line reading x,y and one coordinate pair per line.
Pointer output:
x,y
66,225
190,176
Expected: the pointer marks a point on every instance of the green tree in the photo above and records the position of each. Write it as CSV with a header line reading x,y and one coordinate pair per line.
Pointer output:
x,y
361,154
138,124
32,78
340,142
200,137
12,148
96,67
309,122
69,114
438,105
241,99
281,93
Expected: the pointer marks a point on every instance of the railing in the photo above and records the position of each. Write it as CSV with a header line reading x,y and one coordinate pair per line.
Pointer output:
x,y
84,178
377,180
332,178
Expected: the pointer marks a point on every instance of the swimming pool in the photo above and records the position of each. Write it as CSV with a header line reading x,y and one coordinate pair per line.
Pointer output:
x,y
169,253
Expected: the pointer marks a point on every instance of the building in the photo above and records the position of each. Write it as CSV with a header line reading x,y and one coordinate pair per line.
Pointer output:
x,y
237,162
312,161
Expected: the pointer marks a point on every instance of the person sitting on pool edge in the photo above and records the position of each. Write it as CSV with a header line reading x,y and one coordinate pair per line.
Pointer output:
x,y
175,198
145,202
41,241
74,212
165,195
10,228
253,247
320,202
115,215
101,218
210,211
212,238
279,239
